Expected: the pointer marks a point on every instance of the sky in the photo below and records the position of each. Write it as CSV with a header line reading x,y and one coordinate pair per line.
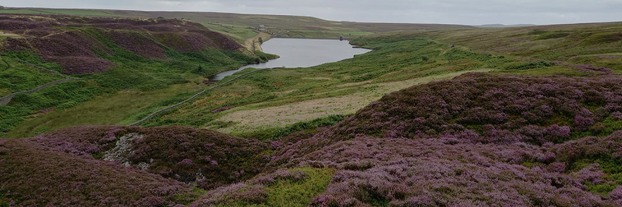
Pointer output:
x,y
467,12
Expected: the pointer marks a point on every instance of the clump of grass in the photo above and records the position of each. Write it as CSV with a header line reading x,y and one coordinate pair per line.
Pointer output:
x,y
286,187
299,193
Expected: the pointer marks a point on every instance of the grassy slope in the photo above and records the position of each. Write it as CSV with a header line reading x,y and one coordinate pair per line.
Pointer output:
x,y
278,98
117,107
238,26
272,100
596,44
135,85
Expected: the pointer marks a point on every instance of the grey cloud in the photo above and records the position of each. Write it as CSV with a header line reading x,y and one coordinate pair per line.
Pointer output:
x,y
471,12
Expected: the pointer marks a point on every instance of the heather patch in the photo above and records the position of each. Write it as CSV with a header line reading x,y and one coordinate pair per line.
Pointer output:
x,y
439,172
206,158
83,45
493,109
105,56
475,140
32,175
137,43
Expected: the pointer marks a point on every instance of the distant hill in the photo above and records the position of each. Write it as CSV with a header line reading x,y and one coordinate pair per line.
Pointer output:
x,y
73,42
245,26
504,25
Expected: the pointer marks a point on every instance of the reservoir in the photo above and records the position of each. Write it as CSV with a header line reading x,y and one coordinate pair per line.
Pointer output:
x,y
301,53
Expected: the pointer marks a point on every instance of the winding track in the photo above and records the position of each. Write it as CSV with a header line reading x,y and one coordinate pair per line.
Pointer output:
x,y
5,100
220,83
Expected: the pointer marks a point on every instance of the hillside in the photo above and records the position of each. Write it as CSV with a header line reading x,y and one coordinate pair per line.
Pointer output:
x,y
57,62
273,102
474,140
246,26
109,166
477,140
67,42
593,46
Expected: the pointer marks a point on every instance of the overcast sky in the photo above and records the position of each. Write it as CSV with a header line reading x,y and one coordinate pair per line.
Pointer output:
x,y
470,12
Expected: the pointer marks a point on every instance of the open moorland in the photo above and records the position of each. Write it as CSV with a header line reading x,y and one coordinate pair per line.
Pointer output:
x,y
108,60
246,26
434,115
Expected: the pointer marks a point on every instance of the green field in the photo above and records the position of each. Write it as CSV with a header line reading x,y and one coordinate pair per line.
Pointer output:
x,y
268,103
276,99
112,97
133,86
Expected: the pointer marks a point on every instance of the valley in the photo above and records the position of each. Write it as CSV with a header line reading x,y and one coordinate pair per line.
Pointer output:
x,y
112,107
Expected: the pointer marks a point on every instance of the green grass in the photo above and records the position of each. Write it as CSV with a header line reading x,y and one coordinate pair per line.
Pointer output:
x,y
257,105
133,87
572,44
397,62
123,107
16,75
611,167
150,77
287,193
189,197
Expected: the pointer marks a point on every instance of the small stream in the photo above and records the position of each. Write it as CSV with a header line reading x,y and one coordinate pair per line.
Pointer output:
x,y
301,53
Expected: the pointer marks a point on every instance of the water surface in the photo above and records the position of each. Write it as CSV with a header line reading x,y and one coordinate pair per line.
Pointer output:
x,y
301,53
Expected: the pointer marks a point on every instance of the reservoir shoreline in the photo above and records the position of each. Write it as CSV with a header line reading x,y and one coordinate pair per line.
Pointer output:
x,y
301,53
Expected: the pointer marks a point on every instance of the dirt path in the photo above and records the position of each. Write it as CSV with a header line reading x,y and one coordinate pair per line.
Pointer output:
x,y
219,84
53,34
253,44
7,99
